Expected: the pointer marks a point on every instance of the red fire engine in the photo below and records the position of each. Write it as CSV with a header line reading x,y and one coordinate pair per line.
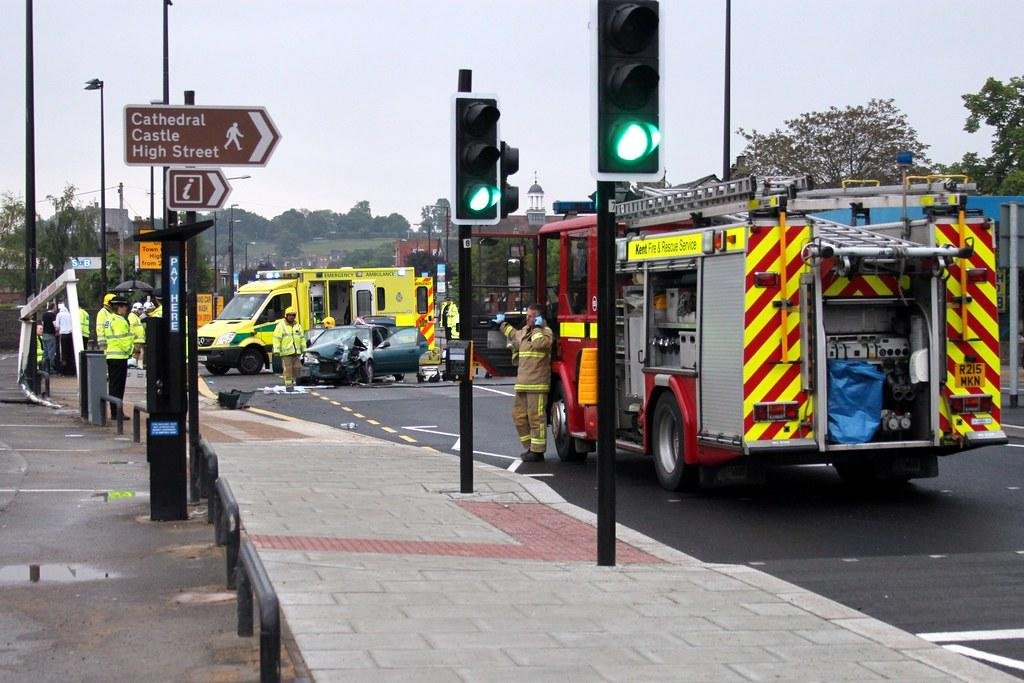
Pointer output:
x,y
750,333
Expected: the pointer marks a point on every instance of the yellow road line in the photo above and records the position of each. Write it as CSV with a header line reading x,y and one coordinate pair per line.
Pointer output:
x,y
407,438
205,390
335,403
389,430
373,422
358,415
270,413
346,409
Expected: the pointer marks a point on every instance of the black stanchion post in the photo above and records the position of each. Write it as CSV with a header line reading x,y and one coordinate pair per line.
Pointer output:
x,y
466,322
605,375
192,286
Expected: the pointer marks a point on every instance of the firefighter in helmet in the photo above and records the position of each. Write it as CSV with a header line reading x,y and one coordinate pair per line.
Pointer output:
x,y
534,342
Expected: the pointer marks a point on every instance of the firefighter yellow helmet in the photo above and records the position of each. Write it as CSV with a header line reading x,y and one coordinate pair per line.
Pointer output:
x,y
329,322
290,311
108,298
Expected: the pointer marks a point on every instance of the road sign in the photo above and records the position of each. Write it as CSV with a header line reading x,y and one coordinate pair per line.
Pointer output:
x,y
150,254
84,262
191,189
163,135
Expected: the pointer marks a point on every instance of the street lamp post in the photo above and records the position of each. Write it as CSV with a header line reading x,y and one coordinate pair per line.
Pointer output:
x,y
246,249
231,253
97,84
216,264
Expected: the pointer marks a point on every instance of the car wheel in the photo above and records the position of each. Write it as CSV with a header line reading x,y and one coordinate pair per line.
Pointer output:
x,y
399,377
565,444
667,445
366,372
251,362
216,369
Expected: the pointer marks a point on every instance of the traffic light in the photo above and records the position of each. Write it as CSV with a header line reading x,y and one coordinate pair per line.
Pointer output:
x,y
475,157
509,166
627,95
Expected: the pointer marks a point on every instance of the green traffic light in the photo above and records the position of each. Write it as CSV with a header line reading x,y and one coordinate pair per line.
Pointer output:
x,y
634,140
482,197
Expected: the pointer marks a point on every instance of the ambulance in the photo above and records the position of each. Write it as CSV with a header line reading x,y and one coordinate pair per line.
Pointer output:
x,y
241,337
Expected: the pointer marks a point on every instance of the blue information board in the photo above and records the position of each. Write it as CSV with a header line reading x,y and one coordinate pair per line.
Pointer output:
x,y
163,428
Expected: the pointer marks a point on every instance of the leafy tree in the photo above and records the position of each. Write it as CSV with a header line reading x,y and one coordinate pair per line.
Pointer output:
x,y
837,144
12,243
1001,106
71,231
380,256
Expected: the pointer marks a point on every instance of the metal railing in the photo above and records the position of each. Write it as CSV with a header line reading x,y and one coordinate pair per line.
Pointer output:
x,y
114,401
227,525
252,576
137,411
208,472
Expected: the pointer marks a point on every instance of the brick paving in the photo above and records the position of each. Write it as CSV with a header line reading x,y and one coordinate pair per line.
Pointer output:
x,y
540,532
385,572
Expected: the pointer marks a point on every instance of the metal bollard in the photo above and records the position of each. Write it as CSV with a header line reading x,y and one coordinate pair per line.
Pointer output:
x,y
245,609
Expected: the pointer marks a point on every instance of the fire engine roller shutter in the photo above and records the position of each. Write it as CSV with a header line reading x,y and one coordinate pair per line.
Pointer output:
x,y
972,326
721,345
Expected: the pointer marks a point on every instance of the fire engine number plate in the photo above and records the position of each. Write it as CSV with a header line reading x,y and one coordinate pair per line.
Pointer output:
x,y
969,374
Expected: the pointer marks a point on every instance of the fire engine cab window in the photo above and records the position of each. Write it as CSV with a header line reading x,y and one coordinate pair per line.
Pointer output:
x,y
577,274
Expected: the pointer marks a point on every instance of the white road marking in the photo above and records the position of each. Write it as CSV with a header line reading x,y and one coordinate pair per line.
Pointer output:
x,y
515,465
972,636
427,429
537,476
1003,424
458,441
1015,445
850,559
494,391
54,490
986,657
50,450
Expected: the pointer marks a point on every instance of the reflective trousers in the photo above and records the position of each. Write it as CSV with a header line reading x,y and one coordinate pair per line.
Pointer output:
x,y
528,411
290,368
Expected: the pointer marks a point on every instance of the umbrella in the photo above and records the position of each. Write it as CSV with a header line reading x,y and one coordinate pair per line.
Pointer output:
x,y
133,286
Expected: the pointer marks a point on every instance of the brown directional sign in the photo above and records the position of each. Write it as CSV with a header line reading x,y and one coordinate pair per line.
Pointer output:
x,y
192,189
165,135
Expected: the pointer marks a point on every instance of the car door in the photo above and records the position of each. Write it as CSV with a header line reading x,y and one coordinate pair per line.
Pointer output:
x,y
405,349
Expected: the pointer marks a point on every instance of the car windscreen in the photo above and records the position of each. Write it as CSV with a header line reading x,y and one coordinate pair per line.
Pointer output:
x,y
242,307
344,336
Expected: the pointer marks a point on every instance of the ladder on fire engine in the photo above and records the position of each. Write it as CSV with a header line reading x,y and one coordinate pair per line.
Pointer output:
x,y
749,194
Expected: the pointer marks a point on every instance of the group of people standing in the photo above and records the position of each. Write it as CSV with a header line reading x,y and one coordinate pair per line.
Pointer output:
x,y
120,335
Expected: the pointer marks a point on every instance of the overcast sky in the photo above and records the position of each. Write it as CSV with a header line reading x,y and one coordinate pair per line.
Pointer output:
x,y
360,91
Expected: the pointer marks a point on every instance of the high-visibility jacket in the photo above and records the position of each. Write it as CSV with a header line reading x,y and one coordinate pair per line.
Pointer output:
x,y
157,312
83,322
102,324
534,356
289,340
120,340
451,318
39,351
138,329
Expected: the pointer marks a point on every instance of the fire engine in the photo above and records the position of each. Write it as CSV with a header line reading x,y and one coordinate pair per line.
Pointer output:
x,y
750,333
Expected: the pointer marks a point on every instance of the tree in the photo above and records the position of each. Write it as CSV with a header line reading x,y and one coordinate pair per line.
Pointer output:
x,y
72,231
854,142
1001,106
12,243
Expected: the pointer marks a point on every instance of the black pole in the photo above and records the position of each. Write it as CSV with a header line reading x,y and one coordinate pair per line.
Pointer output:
x,y
231,254
30,166
192,361
216,267
466,332
103,199
726,154
167,100
606,399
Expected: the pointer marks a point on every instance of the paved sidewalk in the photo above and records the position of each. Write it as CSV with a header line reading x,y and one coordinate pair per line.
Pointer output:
x,y
387,573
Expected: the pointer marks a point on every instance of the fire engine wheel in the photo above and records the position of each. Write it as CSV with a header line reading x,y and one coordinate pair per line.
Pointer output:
x,y
667,445
251,362
565,445
366,372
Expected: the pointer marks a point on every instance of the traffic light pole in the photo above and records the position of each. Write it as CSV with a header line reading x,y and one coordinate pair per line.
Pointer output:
x,y
606,398
466,323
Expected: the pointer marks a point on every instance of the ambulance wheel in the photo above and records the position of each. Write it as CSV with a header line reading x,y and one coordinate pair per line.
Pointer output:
x,y
667,445
250,362
366,372
216,369
565,445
